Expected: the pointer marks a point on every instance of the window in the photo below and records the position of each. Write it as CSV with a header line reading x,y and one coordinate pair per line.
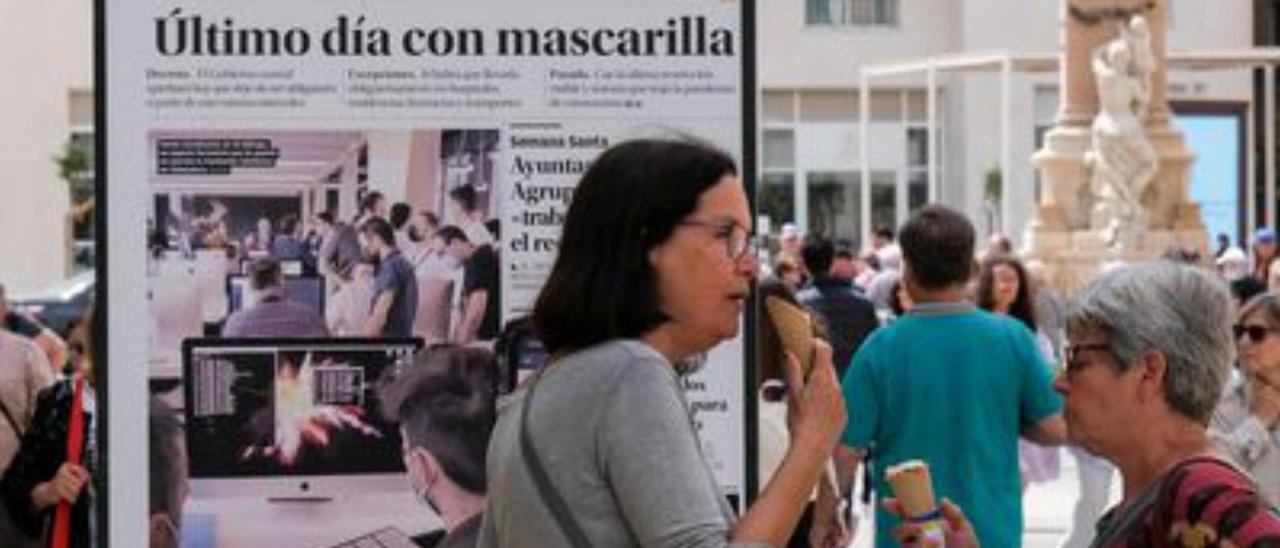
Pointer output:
x,y
917,167
834,203
851,12
777,193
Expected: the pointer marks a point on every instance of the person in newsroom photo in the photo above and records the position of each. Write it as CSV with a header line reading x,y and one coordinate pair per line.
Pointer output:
x,y
467,215
481,288
395,300
271,314
654,269
444,404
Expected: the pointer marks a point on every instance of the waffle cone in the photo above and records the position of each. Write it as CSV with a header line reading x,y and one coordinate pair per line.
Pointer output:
x,y
913,487
795,329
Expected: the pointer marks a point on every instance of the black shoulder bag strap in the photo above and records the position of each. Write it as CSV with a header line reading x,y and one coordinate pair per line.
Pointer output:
x,y
8,417
568,524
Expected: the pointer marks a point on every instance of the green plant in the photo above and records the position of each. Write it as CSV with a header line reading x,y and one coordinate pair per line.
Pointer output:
x,y
993,185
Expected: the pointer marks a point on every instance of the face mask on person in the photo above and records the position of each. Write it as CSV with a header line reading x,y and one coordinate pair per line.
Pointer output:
x,y
417,481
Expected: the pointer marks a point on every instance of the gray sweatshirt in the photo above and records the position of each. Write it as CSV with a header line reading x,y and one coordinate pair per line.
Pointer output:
x,y
612,428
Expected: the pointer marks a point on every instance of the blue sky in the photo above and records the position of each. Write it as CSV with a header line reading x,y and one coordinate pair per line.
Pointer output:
x,y
1215,175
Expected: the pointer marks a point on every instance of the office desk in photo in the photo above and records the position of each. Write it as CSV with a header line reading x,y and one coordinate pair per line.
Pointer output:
x,y
258,523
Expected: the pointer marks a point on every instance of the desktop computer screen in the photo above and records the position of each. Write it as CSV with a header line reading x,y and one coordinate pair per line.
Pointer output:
x,y
298,411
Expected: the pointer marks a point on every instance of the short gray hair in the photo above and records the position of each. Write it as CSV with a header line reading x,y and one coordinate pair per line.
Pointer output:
x,y
1180,311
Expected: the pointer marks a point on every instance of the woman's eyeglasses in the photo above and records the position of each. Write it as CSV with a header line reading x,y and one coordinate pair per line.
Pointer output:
x,y
738,241
1256,333
1071,353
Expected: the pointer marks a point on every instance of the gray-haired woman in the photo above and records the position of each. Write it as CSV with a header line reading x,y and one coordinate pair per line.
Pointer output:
x,y
1150,350
1247,420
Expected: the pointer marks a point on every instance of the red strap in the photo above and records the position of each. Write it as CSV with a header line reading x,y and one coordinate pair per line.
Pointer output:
x,y
75,448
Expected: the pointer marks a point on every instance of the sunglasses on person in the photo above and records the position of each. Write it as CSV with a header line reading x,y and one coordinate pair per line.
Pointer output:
x,y
1255,332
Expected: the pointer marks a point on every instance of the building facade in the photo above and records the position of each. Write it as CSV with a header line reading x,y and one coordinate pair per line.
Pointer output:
x,y
811,55
46,103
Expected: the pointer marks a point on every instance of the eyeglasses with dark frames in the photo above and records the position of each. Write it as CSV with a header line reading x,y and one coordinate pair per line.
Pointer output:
x,y
738,240
1072,354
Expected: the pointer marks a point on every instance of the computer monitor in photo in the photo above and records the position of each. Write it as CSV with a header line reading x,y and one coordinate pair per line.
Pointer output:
x,y
285,418
308,290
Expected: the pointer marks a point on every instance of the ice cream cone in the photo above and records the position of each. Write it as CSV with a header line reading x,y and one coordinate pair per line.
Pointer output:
x,y
795,329
913,488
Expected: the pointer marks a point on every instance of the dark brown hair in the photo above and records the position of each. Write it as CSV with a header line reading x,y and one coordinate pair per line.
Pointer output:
x,y
1023,307
602,285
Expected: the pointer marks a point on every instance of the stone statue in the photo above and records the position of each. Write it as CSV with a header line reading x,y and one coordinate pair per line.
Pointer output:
x,y
1121,160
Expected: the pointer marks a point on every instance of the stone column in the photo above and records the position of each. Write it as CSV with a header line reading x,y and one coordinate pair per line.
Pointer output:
x,y
1059,235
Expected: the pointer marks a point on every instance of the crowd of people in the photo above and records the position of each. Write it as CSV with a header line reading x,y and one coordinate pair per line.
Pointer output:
x,y
958,358
962,359
390,272
987,402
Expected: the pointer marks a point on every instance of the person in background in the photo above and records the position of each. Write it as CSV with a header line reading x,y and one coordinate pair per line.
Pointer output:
x,y
339,250
655,267
257,244
286,245
24,373
466,210
998,245
848,316
789,242
168,465
879,289
399,218
1005,288
1149,355
844,266
870,267
789,272
41,476
421,228
942,380
1264,255
347,310
901,301
1233,266
374,205
774,436
54,348
423,225
272,314
481,289
1224,243
445,407
1247,419
887,251
395,303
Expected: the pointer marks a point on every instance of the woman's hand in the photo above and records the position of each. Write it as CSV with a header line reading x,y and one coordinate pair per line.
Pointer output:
x,y
815,407
835,529
66,486
958,530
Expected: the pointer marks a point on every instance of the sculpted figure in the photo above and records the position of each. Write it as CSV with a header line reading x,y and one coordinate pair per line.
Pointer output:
x,y
1121,159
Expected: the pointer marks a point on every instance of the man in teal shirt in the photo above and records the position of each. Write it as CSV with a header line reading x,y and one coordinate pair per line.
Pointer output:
x,y
948,384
